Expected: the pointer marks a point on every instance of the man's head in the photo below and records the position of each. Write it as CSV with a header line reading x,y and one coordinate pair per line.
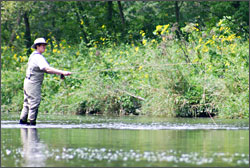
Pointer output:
x,y
38,42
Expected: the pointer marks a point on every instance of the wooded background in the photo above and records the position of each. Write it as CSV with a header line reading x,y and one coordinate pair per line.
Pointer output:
x,y
120,21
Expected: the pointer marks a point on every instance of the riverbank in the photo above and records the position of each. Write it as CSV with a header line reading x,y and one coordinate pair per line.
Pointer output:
x,y
205,74
126,122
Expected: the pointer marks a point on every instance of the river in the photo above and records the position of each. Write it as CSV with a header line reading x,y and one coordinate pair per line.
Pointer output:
x,y
129,141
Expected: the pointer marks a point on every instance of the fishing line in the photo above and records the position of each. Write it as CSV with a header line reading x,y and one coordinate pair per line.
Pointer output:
x,y
137,67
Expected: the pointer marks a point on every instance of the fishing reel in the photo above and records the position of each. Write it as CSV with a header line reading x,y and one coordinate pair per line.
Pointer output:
x,y
62,76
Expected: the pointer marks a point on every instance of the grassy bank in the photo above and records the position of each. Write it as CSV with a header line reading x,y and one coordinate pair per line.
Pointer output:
x,y
205,72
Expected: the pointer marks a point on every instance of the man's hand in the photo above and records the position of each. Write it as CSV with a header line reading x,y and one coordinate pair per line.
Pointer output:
x,y
65,73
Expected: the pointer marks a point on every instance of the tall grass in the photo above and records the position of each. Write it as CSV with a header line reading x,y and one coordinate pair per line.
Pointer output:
x,y
207,71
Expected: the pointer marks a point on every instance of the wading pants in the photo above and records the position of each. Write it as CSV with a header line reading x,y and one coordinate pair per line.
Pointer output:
x,y
32,99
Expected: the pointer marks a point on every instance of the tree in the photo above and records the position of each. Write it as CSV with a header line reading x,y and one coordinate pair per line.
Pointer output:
x,y
27,32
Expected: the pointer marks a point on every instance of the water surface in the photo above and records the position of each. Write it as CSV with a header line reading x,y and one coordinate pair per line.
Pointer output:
x,y
124,141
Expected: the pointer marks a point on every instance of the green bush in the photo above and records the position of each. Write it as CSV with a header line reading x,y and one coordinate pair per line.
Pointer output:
x,y
205,71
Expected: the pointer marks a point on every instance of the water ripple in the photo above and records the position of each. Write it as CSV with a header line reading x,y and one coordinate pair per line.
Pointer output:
x,y
111,155
128,126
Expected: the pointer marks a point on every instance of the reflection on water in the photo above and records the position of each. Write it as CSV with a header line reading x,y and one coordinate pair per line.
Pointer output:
x,y
111,143
32,149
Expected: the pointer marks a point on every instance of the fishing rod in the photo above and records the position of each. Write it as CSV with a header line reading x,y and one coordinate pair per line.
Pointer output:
x,y
134,67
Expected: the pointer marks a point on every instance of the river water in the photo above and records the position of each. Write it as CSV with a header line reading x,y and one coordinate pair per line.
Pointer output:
x,y
89,141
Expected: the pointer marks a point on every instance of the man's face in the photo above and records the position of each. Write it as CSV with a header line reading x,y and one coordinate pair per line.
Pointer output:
x,y
41,48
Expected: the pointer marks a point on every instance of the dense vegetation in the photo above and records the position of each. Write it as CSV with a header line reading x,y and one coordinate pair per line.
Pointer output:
x,y
154,58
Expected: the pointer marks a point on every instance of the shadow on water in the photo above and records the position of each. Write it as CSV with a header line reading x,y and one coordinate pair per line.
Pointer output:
x,y
32,148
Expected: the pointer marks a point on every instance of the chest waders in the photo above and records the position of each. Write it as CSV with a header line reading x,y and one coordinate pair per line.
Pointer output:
x,y
32,94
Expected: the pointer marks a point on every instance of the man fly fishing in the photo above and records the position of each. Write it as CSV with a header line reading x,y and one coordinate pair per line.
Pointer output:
x,y
37,66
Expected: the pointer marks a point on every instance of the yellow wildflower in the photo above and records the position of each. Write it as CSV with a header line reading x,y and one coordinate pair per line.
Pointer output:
x,y
209,41
195,28
140,67
21,59
103,39
144,42
231,37
103,26
153,41
221,28
82,22
200,40
220,23
164,28
136,49
54,50
214,37
222,38
158,28
205,49
17,37
15,57
146,76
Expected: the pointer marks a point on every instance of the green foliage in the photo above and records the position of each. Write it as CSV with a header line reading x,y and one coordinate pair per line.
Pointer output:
x,y
91,22
150,70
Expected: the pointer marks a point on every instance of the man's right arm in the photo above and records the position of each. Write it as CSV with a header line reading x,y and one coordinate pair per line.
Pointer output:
x,y
52,70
